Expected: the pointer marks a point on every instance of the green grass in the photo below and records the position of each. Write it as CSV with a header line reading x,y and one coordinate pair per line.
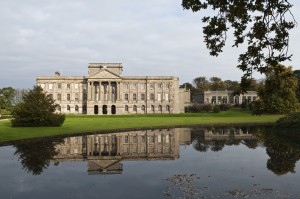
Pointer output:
x,y
91,123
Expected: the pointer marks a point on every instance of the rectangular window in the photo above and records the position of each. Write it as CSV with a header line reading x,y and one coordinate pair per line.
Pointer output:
x,y
159,97
68,86
143,149
125,85
125,149
159,86
76,96
68,97
133,85
134,139
167,138
50,86
126,139
151,96
59,85
76,86
134,96
152,85
58,96
143,86
143,96
167,86
167,96
159,138
152,139
126,96
143,138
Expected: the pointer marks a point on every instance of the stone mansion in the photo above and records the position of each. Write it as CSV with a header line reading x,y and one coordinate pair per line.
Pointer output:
x,y
106,91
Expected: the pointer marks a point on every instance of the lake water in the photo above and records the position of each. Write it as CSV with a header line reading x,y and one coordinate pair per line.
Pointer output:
x,y
215,162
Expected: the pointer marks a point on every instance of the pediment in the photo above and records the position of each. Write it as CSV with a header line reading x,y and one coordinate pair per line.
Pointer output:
x,y
104,74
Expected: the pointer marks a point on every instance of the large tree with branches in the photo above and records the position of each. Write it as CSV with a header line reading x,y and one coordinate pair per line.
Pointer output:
x,y
263,25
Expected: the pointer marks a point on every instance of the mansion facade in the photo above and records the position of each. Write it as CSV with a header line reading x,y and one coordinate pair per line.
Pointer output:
x,y
104,92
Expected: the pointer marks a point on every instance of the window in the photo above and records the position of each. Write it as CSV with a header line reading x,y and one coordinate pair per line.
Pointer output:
x,y
152,108
143,139
126,108
152,139
50,86
134,108
167,138
159,86
134,96
167,96
152,85
143,96
125,85
50,96
219,99
244,99
125,149
126,139
159,96
159,138
76,96
76,108
160,108
68,97
134,139
167,86
68,108
143,108
151,96
58,96
58,108
68,86
126,96
143,86
143,149
167,108
76,86
59,85
133,85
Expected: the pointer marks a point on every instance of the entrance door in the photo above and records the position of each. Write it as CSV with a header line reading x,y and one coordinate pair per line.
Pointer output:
x,y
96,109
104,109
113,109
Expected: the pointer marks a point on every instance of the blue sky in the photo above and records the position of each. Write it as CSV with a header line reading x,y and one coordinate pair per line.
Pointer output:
x,y
150,37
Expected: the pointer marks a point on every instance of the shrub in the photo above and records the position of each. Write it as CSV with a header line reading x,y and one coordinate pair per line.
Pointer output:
x,y
225,107
257,107
291,120
36,109
207,107
216,109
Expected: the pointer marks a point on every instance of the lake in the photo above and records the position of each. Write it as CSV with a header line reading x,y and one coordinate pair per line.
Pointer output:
x,y
198,162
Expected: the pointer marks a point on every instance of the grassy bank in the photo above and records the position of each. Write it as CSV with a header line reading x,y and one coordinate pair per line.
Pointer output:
x,y
87,123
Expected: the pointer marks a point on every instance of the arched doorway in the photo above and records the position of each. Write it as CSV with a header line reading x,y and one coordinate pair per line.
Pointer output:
x,y
113,109
96,109
104,109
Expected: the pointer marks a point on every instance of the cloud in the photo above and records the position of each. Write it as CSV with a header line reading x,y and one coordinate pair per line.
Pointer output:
x,y
150,37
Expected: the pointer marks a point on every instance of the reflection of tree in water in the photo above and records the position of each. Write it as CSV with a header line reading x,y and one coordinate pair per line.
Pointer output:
x,y
250,143
201,145
283,154
35,156
217,145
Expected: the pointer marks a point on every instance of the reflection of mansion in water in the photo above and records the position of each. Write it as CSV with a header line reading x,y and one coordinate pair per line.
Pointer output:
x,y
227,133
104,152
106,91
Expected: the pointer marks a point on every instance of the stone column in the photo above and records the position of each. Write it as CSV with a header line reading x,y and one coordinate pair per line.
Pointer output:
x,y
89,94
109,92
100,90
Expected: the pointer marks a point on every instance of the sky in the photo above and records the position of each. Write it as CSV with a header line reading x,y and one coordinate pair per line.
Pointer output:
x,y
149,37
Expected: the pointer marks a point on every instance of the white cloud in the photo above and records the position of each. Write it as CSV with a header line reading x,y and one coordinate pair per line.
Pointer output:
x,y
150,37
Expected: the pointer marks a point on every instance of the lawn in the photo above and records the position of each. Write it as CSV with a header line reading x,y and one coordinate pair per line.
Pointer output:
x,y
91,123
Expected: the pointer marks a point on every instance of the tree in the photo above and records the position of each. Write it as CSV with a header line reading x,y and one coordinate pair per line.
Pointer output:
x,y
232,85
201,83
279,92
262,25
7,95
36,109
217,84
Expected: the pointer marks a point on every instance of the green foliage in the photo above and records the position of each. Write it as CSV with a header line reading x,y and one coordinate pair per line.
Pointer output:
x,y
263,25
7,95
216,109
257,107
199,108
225,107
291,120
278,93
36,109
207,108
